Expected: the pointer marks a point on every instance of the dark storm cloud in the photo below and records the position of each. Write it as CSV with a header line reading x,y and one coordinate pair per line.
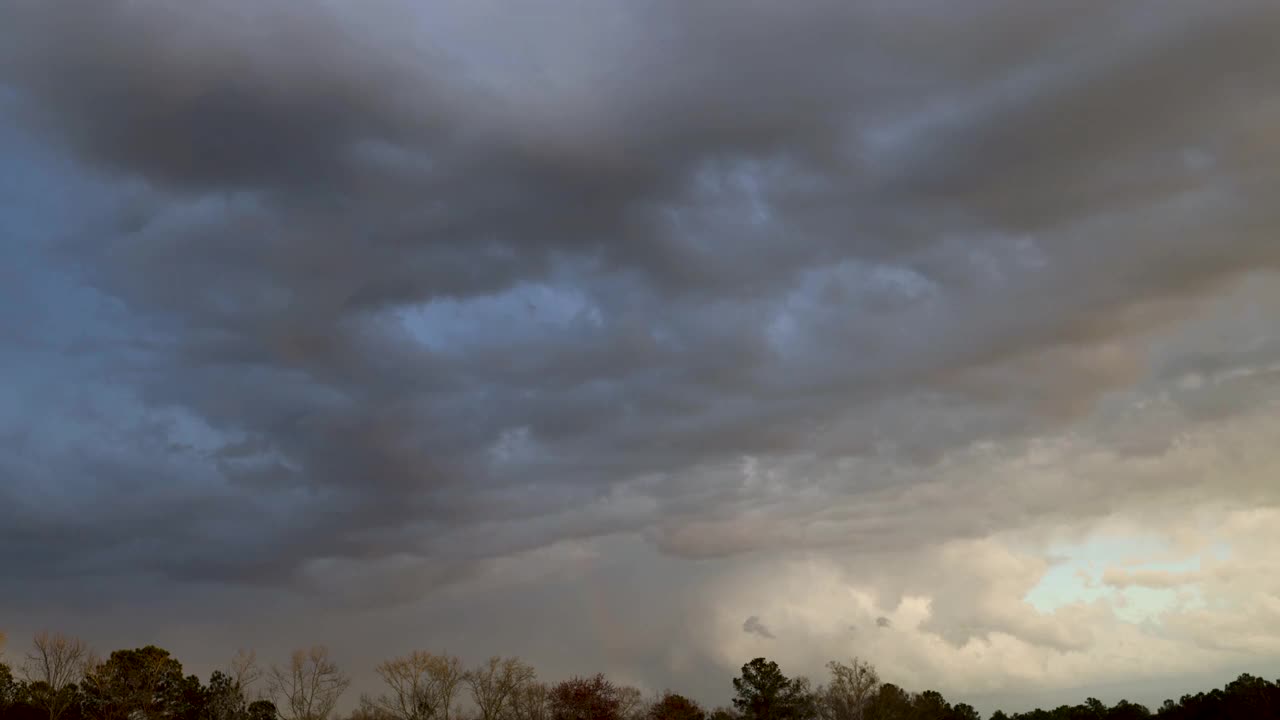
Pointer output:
x,y
435,285
753,626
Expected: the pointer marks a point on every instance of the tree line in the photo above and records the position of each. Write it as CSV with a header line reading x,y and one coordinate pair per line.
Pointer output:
x,y
61,678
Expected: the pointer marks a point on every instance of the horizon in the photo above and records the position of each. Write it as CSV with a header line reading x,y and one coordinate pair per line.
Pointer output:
x,y
646,337
417,674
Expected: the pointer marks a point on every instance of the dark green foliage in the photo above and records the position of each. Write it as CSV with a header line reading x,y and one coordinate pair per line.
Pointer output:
x,y
262,710
1245,698
62,704
16,699
11,691
673,706
141,684
764,693
891,703
930,704
224,699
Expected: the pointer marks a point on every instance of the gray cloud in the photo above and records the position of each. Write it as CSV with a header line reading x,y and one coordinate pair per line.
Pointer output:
x,y
365,268
753,626
358,301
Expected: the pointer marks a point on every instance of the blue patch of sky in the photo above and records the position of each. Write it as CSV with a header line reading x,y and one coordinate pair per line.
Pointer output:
x,y
1077,577
521,314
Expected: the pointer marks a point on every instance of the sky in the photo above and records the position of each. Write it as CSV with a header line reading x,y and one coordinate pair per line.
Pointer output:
x,y
648,337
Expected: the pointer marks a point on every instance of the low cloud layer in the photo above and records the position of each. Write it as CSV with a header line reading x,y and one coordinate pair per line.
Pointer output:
x,y
753,626
373,306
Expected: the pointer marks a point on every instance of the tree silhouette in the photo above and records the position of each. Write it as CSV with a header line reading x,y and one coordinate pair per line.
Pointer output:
x,y
310,686
144,683
764,693
147,683
10,689
593,698
53,665
673,706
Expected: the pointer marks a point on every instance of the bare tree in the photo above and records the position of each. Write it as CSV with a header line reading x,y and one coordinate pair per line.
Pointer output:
x,y
850,691
8,688
410,696
448,675
631,704
495,683
531,702
52,667
227,696
309,687
368,709
585,698
244,671
422,686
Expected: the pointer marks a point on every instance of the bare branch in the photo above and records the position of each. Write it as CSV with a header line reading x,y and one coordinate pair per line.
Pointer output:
x,y
494,683
531,702
422,686
52,666
244,671
309,687
850,691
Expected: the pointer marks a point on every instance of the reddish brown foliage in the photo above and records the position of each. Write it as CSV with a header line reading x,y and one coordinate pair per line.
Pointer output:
x,y
592,698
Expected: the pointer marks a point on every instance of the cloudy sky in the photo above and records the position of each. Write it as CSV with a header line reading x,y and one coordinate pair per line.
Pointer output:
x,y
649,336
